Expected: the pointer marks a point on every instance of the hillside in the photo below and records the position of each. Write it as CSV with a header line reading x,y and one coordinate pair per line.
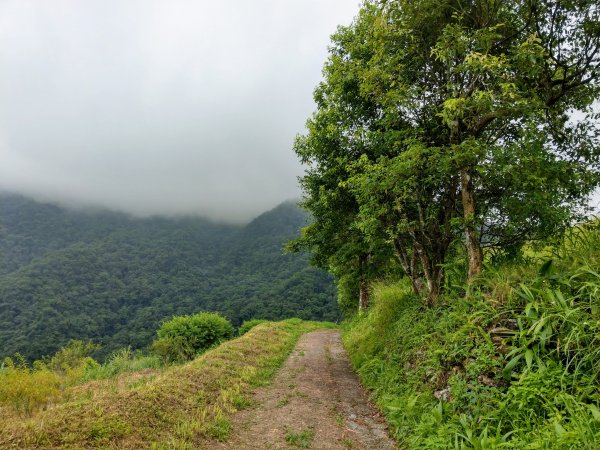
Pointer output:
x,y
112,278
510,362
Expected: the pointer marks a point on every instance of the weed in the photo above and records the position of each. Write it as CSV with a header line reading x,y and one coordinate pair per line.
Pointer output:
x,y
105,430
214,422
122,361
26,389
347,443
283,402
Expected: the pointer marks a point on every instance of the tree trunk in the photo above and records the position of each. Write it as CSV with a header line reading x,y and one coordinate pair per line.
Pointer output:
x,y
474,252
436,283
433,274
409,265
363,286
363,296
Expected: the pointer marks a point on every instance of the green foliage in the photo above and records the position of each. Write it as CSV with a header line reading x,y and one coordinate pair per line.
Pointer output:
x,y
74,356
300,439
183,337
438,122
248,325
112,278
105,430
122,361
514,364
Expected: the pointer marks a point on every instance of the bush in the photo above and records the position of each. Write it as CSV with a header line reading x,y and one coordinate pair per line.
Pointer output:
x,y
73,359
183,337
248,325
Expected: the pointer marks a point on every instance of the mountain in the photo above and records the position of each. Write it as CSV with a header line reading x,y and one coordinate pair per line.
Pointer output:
x,y
112,278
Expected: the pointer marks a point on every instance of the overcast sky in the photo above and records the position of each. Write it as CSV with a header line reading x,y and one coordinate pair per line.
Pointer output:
x,y
160,106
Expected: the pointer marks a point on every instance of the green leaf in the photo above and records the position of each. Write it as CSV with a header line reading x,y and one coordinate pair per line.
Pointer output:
x,y
558,429
595,411
512,363
529,357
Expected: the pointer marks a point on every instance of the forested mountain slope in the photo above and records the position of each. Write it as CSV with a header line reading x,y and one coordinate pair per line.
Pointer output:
x,y
112,278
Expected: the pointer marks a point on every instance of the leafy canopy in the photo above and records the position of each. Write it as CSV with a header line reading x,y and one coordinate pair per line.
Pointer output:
x,y
447,128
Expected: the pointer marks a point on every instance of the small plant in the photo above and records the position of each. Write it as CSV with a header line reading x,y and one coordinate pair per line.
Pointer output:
x,y
183,337
283,402
122,361
103,430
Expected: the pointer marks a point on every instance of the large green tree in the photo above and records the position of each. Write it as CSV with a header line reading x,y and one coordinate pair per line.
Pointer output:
x,y
438,120
338,136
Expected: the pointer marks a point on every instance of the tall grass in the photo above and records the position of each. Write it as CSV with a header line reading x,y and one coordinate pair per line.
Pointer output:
x,y
26,388
122,361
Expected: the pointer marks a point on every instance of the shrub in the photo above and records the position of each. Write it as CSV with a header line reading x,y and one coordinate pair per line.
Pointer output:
x,y
248,325
183,337
73,359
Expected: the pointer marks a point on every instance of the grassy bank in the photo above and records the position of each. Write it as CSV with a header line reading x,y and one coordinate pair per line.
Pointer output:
x,y
511,362
175,408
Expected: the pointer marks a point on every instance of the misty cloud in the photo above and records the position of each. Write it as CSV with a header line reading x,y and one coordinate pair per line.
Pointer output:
x,y
160,106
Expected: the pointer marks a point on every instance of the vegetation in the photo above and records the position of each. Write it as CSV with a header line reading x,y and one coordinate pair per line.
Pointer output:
x,y
183,337
173,407
514,363
453,152
248,325
301,439
112,279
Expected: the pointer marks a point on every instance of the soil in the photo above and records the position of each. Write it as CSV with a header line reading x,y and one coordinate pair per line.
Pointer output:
x,y
316,401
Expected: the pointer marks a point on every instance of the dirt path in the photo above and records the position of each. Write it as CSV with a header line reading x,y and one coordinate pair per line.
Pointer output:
x,y
315,401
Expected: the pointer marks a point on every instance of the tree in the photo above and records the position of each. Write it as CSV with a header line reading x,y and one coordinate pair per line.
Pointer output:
x,y
441,119
514,71
329,149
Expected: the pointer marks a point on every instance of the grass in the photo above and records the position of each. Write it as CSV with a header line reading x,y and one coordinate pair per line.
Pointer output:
x,y
25,388
283,402
300,439
181,407
511,362
122,361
